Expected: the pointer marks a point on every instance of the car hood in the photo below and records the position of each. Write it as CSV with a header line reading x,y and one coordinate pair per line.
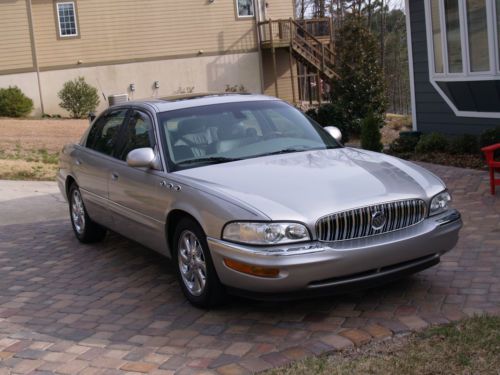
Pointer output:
x,y
304,186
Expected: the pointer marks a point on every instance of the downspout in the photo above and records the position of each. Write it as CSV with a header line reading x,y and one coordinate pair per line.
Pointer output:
x,y
34,53
257,8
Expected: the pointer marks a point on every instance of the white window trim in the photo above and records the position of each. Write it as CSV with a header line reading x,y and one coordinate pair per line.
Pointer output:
x,y
466,75
59,19
238,10
411,69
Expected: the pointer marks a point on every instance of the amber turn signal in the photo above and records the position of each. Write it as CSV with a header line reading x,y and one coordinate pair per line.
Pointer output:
x,y
252,270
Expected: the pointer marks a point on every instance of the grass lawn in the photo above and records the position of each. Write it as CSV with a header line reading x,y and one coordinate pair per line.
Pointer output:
x,y
29,148
471,346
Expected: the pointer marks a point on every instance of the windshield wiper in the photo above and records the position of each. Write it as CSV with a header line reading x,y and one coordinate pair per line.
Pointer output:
x,y
288,150
210,160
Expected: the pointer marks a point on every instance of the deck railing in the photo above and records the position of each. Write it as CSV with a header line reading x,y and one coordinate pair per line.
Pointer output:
x,y
281,32
320,29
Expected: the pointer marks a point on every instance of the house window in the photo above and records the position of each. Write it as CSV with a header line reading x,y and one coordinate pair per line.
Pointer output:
x,y
245,8
461,35
477,27
463,46
454,43
66,16
436,37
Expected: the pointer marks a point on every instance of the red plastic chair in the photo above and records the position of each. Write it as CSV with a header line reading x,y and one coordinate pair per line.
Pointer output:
x,y
489,152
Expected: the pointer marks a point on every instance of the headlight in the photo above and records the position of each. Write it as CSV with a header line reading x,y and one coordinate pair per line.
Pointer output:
x,y
265,233
439,203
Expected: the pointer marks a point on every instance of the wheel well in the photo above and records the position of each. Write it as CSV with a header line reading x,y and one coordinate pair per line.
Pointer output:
x,y
69,181
173,218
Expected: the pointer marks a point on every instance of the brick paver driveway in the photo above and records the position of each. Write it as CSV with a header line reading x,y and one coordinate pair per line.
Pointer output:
x,y
116,307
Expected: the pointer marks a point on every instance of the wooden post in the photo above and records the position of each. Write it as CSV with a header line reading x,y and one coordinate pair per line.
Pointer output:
x,y
318,86
291,58
273,52
310,88
322,57
331,32
291,73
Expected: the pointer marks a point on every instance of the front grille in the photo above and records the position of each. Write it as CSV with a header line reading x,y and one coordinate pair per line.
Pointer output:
x,y
362,222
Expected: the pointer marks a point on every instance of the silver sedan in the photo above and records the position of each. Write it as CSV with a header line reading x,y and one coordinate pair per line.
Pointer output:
x,y
247,195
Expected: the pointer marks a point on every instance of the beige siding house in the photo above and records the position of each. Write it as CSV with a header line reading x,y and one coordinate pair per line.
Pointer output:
x,y
149,48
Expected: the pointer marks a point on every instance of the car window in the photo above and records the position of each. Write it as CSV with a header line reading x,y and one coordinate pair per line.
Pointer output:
x,y
223,132
283,122
138,134
104,133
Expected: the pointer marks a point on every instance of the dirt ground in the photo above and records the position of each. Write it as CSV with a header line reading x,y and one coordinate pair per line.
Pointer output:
x,y
40,133
29,148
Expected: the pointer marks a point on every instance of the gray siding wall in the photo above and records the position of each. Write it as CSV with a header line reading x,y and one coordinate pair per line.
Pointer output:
x,y
433,114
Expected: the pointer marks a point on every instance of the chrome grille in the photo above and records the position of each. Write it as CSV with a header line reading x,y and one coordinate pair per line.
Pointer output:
x,y
360,222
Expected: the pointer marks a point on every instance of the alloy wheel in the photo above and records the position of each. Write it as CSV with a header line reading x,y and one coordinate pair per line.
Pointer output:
x,y
77,212
192,263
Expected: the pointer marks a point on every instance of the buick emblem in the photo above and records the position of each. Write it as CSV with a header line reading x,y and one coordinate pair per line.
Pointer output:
x,y
378,220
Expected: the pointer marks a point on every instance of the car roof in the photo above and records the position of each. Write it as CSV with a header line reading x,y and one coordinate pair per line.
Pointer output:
x,y
182,101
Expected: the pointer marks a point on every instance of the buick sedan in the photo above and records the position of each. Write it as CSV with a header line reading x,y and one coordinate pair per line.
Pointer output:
x,y
247,195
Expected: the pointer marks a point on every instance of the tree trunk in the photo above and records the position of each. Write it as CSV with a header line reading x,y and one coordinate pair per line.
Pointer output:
x,y
382,34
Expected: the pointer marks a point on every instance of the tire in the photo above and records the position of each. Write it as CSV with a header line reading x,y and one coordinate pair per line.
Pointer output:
x,y
194,266
86,230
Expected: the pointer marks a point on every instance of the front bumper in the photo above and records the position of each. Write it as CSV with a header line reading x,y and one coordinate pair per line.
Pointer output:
x,y
334,266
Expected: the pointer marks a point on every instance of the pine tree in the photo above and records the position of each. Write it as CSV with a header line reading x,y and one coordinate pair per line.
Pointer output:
x,y
359,90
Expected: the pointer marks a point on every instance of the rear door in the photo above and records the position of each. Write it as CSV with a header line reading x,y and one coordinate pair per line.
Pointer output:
x,y
137,196
92,163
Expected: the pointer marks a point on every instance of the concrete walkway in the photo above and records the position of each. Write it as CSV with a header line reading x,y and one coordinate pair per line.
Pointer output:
x,y
23,202
115,307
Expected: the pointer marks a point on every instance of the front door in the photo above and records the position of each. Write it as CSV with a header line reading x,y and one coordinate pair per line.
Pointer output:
x,y
138,200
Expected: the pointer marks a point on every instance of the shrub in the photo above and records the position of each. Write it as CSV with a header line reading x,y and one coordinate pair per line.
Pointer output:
x,y
489,137
312,113
235,88
464,144
370,133
184,90
331,115
359,88
78,98
406,142
13,103
432,142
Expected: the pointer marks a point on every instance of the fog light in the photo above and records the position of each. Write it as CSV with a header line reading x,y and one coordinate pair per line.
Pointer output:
x,y
252,270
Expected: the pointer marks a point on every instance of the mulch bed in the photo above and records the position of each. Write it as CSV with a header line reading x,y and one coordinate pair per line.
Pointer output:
x,y
459,160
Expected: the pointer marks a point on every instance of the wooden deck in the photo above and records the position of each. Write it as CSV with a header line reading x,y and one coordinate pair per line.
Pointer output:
x,y
309,42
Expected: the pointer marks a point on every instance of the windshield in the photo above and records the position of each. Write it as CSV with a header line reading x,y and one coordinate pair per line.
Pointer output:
x,y
234,131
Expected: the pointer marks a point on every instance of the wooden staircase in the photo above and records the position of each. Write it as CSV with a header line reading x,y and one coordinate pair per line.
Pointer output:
x,y
311,50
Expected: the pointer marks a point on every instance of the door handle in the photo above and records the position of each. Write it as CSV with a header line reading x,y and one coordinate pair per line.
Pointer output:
x,y
114,176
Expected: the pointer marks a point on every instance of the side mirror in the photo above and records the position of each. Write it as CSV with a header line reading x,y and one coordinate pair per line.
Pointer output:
x,y
142,158
91,117
334,132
